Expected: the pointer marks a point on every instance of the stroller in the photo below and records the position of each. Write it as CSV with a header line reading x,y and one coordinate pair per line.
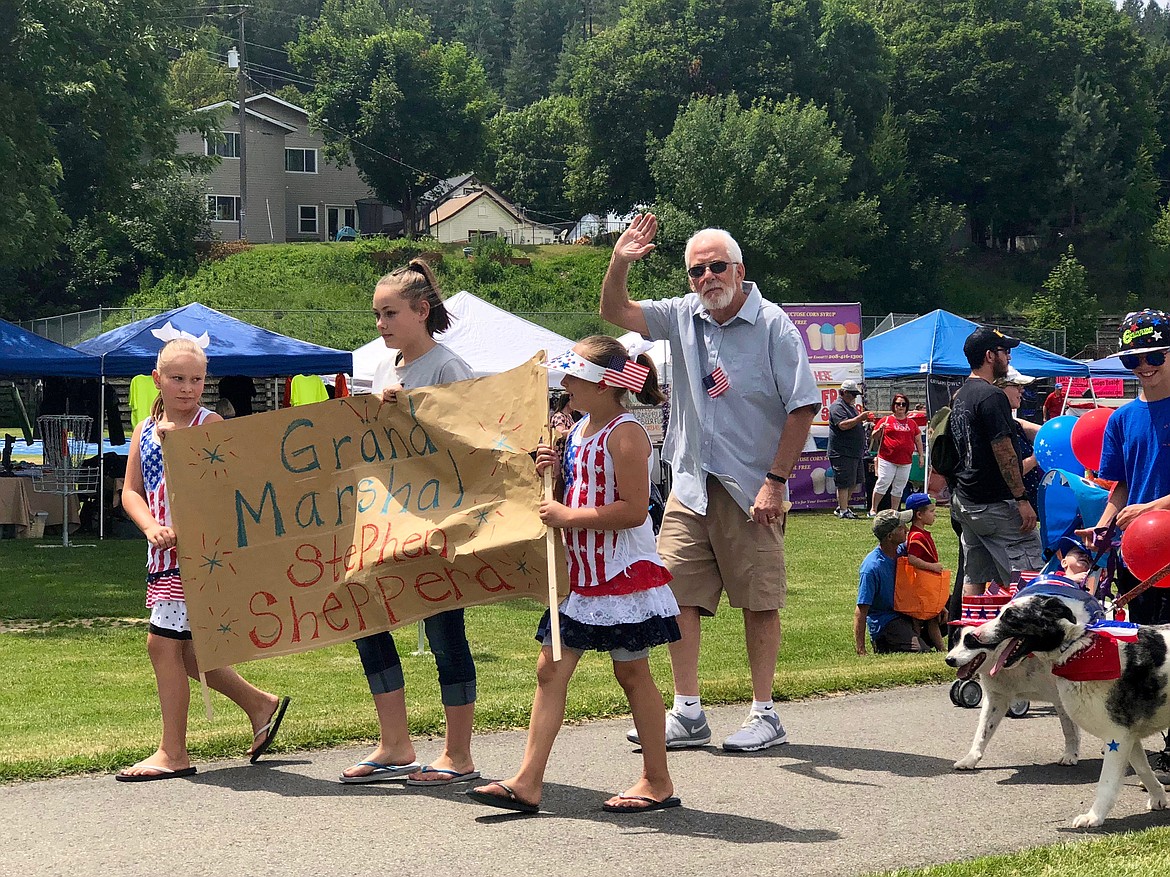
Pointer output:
x,y
1066,503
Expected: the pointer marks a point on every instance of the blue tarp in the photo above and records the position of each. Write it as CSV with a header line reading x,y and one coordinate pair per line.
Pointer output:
x,y
234,348
24,354
1110,367
933,345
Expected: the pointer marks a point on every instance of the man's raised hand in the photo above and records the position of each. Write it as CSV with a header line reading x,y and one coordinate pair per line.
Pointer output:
x,y
638,239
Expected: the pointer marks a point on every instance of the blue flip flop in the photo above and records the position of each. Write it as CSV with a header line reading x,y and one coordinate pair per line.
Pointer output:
x,y
381,772
449,777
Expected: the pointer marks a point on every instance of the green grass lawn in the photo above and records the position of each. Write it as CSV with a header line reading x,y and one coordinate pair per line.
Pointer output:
x,y
79,693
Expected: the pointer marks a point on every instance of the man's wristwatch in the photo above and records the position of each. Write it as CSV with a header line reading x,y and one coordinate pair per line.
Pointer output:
x,y
1021,498
772,476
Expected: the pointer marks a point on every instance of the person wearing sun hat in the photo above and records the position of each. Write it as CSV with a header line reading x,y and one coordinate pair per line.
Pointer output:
x,y
1013,384
1136,449
889,631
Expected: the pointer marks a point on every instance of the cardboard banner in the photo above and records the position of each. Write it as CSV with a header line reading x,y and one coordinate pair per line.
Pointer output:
x,y
311,526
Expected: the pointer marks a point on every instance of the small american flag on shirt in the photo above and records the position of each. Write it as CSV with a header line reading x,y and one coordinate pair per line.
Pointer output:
x,y
625,372
716,382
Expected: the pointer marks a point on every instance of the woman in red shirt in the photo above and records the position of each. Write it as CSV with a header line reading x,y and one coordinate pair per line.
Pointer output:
x,y
900,437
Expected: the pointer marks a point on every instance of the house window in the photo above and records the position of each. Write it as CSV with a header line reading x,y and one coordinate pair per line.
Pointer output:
x,y
300,161
308,219
473,235
229,147
224,208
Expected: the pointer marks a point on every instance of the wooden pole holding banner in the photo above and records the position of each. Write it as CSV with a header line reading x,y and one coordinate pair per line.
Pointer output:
x,y
206,696
554,616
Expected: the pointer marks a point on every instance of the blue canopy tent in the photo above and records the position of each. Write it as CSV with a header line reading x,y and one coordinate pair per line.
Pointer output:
x,y
933,345
24,354
1110,367
233,348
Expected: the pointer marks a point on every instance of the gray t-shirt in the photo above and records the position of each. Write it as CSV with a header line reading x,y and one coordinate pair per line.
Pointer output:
x,y
439,365
845,442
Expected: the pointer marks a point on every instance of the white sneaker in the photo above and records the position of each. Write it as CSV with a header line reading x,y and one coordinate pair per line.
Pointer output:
x,y
758,732
681,732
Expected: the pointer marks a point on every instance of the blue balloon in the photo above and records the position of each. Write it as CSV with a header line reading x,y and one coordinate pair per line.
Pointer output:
x,y
1053,445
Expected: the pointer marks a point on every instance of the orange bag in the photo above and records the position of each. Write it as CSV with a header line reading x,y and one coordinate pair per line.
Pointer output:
x,y
918,593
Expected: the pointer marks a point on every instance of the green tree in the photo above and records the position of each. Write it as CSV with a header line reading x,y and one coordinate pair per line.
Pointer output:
x,y
407,110
196,79
531,150
87,130
1065,302
775,176
905,256
538,35
1090,182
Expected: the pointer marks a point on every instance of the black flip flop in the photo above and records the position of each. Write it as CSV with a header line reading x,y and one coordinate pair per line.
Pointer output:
x,y
511,802
651,804
163,774
271,728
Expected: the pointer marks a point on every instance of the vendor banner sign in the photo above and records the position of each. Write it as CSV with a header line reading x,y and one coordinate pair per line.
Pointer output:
x,y
315,525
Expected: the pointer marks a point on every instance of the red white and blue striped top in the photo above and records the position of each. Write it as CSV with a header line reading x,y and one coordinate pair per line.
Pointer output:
x,y
162,564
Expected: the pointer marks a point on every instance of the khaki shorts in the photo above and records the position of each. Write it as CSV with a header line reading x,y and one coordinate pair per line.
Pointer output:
x,y
722,551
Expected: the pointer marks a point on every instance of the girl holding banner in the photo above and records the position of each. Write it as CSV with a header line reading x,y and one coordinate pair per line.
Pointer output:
x,y
620,600
179,374
409,310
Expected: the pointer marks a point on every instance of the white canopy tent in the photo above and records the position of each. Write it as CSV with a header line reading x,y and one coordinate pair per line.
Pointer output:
x,y
488,338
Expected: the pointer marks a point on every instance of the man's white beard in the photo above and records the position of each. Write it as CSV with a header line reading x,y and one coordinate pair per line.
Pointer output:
x,y
717,301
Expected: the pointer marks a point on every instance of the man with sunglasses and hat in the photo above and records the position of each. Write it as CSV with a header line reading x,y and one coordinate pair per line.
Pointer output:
x,y
1136,450
997,521
743,397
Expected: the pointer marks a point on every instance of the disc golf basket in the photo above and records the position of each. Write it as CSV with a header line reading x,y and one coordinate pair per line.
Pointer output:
x,y
64,443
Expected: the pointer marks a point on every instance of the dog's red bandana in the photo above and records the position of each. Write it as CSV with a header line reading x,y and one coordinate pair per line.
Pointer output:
x,y
1099,662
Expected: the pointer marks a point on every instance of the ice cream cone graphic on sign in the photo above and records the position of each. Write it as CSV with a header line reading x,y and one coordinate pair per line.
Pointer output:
x,y
852,336
813,331
839,336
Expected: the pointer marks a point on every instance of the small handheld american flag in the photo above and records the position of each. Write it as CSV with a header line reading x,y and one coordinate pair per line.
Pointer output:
x,y
625,372
716,382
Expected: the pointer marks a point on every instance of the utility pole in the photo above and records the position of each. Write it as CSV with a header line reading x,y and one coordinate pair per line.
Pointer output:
x,y
242,96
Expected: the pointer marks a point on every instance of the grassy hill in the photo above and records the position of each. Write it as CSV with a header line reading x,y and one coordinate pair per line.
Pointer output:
x,y
321,292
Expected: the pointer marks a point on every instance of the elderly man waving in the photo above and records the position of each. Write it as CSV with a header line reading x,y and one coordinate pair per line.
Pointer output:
x,y
742,400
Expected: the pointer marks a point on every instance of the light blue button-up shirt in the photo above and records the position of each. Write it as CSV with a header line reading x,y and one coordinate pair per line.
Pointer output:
x,y
735,435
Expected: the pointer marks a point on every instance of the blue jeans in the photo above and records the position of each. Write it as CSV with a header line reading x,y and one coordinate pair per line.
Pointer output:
x,y
448,641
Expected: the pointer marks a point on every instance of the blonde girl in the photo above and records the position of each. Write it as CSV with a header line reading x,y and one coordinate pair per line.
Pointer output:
x,y
620,601
409,311
179,375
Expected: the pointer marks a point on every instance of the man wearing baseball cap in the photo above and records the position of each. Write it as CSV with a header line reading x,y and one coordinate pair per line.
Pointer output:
x,y
889,631
1136,450
997,521
847,444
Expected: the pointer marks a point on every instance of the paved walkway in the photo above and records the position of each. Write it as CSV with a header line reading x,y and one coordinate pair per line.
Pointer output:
x,y
866,785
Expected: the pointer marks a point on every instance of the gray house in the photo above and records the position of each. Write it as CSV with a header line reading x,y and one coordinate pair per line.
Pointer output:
x,y
293,193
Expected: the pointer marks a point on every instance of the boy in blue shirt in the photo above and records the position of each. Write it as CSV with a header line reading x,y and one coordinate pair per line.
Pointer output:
x,y
1136,450
889,631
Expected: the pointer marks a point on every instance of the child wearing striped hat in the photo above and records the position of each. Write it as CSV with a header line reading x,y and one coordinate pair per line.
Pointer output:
x,y
620,600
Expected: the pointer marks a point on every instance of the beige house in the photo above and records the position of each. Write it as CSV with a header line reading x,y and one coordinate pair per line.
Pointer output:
x,y
293,193
470,210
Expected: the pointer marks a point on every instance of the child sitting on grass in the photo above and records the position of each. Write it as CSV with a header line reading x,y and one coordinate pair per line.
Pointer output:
x,y
921,553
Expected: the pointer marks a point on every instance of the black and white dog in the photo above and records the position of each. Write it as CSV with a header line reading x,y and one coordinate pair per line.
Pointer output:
x,y
1121,711
1029,680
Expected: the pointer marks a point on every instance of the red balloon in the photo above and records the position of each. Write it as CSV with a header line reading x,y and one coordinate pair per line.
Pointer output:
x,y
1145,544
1088,435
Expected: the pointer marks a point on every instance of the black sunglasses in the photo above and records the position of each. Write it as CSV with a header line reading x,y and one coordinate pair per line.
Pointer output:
x,y
697,271
1133,360
900,405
